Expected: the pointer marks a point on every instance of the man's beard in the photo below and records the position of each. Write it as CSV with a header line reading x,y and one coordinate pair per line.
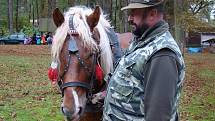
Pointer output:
x,y
139,30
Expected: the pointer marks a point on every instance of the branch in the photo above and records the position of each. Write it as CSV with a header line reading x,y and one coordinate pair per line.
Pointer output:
x,y
200,4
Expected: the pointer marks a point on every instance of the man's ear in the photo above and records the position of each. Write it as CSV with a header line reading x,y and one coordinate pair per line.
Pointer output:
x,y
58,17
153,12
93,18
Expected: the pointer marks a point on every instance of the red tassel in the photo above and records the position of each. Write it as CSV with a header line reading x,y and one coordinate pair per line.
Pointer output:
x,y
99,74
53,75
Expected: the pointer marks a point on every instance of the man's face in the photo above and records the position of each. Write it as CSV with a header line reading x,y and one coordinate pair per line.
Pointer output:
x,y
138,20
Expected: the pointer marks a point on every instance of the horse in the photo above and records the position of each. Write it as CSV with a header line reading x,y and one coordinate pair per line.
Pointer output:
x,y
124,39
81,57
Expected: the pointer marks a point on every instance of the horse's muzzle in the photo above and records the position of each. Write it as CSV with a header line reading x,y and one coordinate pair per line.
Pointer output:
x,y
71,115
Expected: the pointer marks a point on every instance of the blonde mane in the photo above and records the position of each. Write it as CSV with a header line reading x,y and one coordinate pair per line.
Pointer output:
x,y
81,26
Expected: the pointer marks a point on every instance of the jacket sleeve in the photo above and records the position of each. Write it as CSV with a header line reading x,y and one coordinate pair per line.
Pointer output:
x,y
161,76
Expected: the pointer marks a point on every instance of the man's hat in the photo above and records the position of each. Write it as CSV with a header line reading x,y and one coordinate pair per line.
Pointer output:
x,y
141,4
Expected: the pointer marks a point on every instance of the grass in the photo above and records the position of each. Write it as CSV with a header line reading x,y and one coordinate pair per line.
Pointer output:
x,y
26,94
198,100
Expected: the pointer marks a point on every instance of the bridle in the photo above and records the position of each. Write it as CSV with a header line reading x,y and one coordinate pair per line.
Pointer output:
x,y
85,85
73,50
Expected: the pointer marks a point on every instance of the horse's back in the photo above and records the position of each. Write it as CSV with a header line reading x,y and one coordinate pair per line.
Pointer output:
x,y
124,39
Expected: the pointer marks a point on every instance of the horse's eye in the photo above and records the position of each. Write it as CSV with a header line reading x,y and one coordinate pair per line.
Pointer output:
x,y
67,36
91,54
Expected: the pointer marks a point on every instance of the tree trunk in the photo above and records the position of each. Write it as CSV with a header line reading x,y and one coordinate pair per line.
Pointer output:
x,y
107,7
10,16
124,16
111,9
37,11
92,3
79,2
169,16
51,7
71,3
17,14
33,12
115,13
179,32
100,3
43,8
29,12
88,3
25,4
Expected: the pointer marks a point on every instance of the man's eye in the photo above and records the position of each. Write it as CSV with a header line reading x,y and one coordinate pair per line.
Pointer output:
x,y
129,12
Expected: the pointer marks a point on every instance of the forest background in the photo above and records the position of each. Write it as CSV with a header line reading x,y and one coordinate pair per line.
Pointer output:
x,y
30,16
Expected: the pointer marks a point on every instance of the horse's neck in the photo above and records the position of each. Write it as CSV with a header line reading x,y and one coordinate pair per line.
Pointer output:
x,y
92,116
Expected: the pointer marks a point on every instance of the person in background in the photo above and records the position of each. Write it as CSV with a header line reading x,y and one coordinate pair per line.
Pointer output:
x,y
49,40
38,38
43,39
34,40
47,35
148,79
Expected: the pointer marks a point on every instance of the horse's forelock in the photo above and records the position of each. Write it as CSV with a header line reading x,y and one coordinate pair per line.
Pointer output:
x,y
58,40
83,29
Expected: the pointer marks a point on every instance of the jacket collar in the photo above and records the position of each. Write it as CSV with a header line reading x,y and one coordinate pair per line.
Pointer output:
x,y
157,29
148,36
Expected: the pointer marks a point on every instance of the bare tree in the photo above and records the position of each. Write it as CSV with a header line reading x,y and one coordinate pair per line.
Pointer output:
x,y
10,15
197,5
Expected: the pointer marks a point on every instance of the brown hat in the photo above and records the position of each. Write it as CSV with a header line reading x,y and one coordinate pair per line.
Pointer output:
x,y
141,4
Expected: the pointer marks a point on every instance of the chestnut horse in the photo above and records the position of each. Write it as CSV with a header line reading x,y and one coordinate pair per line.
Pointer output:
x,y
81,57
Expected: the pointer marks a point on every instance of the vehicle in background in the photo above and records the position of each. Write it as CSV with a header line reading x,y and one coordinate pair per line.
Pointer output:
x,y
16,38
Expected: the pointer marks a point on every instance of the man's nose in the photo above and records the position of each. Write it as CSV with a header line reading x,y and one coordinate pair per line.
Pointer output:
x,y
130,18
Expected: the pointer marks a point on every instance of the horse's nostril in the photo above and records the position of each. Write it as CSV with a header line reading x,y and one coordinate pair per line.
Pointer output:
x,y
80,110
66,112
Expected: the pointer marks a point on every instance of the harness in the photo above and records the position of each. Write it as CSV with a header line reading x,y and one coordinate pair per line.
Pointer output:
x,y
73,50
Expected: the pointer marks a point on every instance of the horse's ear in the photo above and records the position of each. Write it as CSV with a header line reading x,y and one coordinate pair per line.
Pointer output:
x,y
93,18
58,17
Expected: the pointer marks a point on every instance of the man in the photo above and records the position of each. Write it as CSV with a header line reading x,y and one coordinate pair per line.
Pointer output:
x,y
147,81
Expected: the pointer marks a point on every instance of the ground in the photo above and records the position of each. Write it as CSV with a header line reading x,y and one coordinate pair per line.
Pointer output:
x,y
25,50
26,93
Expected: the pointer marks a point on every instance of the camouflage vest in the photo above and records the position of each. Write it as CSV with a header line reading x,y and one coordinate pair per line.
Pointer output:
x,y
124,100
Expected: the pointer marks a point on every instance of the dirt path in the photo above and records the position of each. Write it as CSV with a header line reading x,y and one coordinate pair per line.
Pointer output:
x,y
24,50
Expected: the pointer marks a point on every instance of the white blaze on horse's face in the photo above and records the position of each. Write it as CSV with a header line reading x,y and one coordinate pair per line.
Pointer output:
x,y
77,104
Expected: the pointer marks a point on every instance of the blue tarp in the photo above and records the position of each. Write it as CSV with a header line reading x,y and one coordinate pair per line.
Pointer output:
x,y
194,50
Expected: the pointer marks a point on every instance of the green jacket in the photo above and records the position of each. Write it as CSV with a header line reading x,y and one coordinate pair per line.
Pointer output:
x,y
126,89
